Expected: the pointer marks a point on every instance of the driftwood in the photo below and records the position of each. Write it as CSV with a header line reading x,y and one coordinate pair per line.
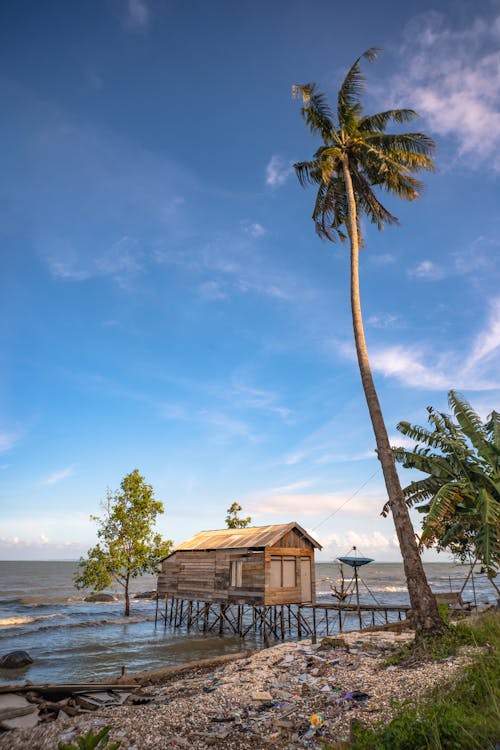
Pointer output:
x,y
67,689
15,711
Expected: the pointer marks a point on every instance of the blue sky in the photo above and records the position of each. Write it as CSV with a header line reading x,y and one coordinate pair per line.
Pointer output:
x,y
165,303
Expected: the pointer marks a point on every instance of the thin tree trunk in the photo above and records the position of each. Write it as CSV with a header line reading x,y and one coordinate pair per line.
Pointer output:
x,y
422,600
127,597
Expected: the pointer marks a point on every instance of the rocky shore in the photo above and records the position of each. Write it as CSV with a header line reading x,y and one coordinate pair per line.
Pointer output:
x,y
293,695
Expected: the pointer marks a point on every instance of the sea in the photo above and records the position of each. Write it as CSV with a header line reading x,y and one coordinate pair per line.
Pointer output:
x,y
71,640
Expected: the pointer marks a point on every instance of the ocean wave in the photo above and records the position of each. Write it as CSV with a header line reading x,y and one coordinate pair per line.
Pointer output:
x,y
97,623
11,622
36,601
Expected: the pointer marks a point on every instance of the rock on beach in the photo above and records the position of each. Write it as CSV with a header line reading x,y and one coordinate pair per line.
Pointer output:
x,y
15,660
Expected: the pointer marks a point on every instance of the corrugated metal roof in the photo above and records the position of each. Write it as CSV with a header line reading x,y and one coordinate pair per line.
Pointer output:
x,y
254,536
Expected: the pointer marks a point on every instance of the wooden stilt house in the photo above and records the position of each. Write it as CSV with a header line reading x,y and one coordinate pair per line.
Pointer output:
x,y
261,565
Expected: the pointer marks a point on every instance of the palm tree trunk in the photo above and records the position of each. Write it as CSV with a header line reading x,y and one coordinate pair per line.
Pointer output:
x,y
422,600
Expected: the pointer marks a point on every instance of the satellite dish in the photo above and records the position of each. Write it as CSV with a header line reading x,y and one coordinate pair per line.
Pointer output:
x,y
355,562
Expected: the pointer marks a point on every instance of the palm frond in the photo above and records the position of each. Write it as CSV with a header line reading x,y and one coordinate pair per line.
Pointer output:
x,y
316,111
330,210
415,143
379,121
308,172
353,85
368,201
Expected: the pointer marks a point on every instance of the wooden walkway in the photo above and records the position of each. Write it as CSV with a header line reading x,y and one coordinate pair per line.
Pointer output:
x,y
274,621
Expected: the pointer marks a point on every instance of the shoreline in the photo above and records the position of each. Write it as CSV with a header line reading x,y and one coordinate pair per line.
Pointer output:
x,y
290,695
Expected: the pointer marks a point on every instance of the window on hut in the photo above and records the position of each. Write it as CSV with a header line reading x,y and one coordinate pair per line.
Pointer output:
x,y
282,572
236,573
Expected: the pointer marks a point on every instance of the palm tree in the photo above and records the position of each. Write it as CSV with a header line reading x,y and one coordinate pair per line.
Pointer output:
x,y
461,494
357,155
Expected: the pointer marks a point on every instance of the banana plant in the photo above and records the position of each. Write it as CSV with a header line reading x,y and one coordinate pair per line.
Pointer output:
x,y
460,494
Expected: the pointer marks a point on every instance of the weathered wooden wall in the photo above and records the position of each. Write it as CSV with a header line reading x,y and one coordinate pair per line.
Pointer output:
x,y
204,575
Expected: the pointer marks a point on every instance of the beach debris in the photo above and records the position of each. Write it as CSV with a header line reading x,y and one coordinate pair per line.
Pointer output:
x,y
15,660
328,643
317,720
356,695
92,701
16,712
261,695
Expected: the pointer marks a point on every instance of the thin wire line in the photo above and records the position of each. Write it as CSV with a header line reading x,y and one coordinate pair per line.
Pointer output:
x,y
346,501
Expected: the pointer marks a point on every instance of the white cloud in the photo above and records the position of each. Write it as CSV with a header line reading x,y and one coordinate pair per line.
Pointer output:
x,y
383,259
477,370
452,78
223,427
241,269
212,291
482,256
67,270
244,396
366,543
314,504
8,440
427,270
39,548
278,171
488,341
255,229
59,476
121,260
383,320
137,15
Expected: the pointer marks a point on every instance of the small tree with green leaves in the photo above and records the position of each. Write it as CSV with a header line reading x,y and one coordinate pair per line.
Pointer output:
x,y
128,545
233,520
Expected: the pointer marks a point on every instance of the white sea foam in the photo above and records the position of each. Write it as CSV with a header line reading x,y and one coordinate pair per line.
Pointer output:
x,y
11,622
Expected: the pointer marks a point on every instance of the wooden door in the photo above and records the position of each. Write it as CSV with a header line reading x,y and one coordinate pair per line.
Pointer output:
x,y
305,579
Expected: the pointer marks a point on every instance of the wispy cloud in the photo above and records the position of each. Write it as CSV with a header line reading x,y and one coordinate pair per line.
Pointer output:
x,y
420,368
452,78
245,396
119,261
476,261
312,504
224,427
212,291
369,544
59,476
254,229
278,171
8,439
381,259
383,320
40,547
235,265
136,15
427,270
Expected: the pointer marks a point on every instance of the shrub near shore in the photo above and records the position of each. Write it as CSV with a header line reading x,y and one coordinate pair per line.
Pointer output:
x,y
465,715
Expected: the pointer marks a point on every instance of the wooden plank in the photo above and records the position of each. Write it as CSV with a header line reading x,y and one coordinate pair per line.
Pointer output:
x,y
46,688
289,551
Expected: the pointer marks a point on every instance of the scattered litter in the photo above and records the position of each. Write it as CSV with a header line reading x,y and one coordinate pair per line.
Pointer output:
x,y
356,695
317,720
